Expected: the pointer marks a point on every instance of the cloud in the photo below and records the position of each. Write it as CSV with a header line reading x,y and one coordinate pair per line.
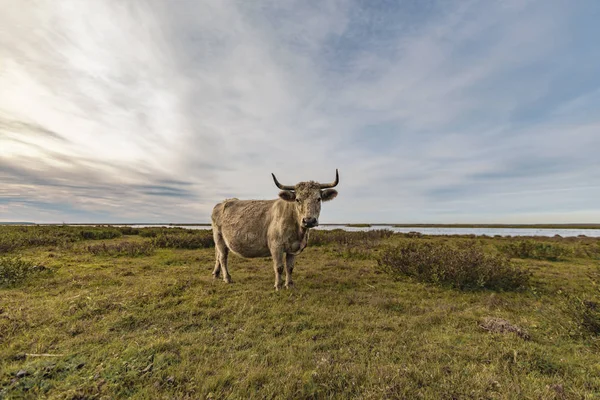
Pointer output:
x,y
433,111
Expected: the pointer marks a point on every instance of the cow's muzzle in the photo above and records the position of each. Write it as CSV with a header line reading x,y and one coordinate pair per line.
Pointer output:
x,y
310,222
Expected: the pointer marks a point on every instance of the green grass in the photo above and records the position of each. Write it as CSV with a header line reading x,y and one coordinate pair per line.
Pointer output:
x,y
107,325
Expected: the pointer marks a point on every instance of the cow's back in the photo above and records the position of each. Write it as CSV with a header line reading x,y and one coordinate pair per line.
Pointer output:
x,y
244,224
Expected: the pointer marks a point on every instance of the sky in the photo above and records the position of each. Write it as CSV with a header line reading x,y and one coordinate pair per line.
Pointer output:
x,y
433,111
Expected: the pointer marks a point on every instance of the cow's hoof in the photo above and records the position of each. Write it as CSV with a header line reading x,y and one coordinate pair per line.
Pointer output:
x,y
289,285
227,279
277,288
216,276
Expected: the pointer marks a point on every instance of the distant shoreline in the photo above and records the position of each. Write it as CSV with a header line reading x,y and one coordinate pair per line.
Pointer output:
x,y
364,225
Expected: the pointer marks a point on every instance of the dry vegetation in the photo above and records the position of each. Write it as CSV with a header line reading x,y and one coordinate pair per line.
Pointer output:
x,y
462,265
133,313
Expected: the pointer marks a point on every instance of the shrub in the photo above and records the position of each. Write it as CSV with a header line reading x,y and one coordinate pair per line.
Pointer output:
x,y
535,250
129,230
350,245
187,239
8,244
588,250
14,270
130,249
351,239
100,234
152,232
17,237
463,266
412,234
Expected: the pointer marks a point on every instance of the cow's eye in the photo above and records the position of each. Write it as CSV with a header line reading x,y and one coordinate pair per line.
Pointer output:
x,y
319,199
297,200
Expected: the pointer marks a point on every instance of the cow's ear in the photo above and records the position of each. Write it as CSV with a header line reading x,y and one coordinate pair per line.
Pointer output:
x,y
328,194
287,195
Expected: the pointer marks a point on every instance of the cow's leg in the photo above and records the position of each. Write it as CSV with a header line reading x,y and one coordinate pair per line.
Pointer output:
x,y
222,253
278,266
289,267
217,271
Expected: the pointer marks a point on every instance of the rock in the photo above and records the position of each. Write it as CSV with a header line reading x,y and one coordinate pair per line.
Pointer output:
x,y
21,373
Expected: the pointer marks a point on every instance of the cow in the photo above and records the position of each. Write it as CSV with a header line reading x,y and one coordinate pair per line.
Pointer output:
x,y
276,228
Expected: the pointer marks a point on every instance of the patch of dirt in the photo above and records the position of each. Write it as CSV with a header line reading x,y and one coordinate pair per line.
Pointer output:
x,y
499,325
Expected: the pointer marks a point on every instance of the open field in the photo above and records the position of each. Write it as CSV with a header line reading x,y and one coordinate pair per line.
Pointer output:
x,y
134,313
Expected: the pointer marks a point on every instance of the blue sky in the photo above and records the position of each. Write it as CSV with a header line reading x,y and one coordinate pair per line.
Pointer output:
x,y
433,111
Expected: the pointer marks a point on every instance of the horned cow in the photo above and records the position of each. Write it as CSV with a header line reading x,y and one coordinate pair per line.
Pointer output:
x,y
262,228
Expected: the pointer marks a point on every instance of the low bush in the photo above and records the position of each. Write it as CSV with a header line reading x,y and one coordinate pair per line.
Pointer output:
x,y
462,265
129,249
588,250
14,270
100,234
412,235
152,232
342,237
185,239
128,230
350,245
18,237
583,314
535,250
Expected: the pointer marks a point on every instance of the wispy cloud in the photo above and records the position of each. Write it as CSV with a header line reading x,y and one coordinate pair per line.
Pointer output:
x,y
432,111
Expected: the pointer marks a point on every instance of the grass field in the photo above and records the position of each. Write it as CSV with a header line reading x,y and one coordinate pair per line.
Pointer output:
x,y
134,313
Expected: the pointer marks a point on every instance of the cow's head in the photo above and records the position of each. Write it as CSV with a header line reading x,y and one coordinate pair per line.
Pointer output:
x,y
307,196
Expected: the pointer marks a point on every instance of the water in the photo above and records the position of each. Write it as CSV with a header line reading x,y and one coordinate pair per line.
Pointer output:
x,y
444,230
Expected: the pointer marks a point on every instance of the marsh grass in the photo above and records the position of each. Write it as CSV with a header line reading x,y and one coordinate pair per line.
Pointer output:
x,y
129,230
536,249
19,237
588,249
198,239
350,239
158,326
158,230
350,245
123,248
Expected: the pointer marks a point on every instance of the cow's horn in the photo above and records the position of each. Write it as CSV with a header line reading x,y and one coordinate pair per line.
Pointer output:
x,y
330,185
280,186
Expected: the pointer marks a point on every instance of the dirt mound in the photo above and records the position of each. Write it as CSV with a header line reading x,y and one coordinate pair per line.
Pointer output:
x,y
499,325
